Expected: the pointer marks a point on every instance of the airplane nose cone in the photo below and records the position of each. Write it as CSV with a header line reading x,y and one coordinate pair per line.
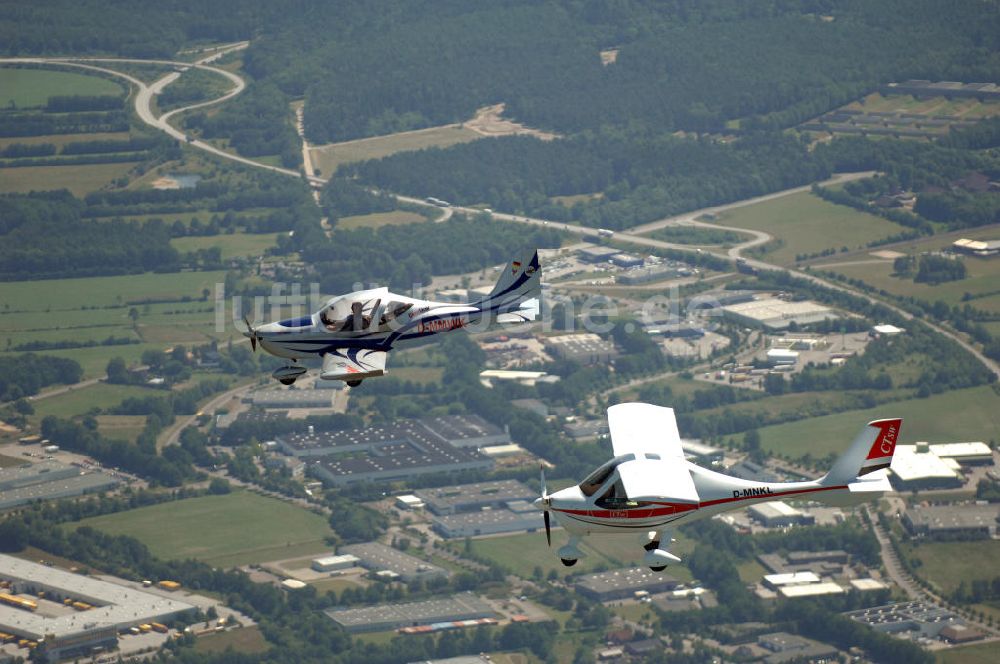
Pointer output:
x,y
539,504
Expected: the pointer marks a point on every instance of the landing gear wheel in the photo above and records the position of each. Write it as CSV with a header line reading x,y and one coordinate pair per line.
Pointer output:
x,y
568,562
286,381
658,568
353,383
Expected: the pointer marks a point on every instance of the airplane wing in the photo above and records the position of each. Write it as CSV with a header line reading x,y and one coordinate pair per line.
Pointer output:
x,y
642,428
353,364
657,481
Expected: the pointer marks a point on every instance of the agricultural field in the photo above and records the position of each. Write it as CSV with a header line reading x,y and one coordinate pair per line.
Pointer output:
x,y
31,88
232,245
378,219
79,179
327,158
81,400
226,531
960,415
806,224
982,282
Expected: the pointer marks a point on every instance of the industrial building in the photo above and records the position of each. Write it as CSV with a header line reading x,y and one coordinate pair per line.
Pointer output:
x,y
810,590
474,497
334,563
292,398
776,514
700,453
383,617
585,348
819,563
516,517
377,557
965,454
775,314
396,451
626,260
581,429
455,431
409,502
779,356
113,608
913,619
596,254
787,647
648,273
950,522
48,480
916,467
980,248
949,89
776,581
622,583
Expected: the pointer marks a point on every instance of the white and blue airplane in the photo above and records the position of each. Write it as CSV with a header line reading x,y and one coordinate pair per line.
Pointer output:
x,y
354,333
648,488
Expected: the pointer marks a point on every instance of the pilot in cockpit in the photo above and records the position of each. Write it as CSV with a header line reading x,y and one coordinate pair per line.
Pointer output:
x,y
356,320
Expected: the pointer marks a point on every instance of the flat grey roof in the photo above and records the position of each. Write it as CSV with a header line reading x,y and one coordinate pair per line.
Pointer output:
x,y
377,556
414,613
57,488
119,605
475,494
623,579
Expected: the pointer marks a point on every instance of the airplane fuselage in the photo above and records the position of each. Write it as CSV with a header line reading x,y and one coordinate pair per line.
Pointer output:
x,y
718,493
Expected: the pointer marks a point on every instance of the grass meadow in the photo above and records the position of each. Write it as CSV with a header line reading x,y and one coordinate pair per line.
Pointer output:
x,y
31,88
328,158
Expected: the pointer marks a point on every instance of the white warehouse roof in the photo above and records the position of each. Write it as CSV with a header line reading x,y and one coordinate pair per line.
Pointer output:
x,y
961,450
791,579
910,465
811,589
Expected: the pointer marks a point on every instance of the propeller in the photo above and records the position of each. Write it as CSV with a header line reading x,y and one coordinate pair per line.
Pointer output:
x,y
546,501
251,333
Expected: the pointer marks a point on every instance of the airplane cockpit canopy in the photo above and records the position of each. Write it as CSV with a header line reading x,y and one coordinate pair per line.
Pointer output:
x,y
596,479
339,311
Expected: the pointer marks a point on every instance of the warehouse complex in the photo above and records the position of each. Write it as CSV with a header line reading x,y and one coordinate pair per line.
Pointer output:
x,y
464,606
474,497
69,632
391,563
48,480
622,583
400,450
926,466
775,314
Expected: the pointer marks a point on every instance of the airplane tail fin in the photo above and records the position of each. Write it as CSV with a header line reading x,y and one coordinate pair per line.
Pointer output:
x,y
871,450
519,282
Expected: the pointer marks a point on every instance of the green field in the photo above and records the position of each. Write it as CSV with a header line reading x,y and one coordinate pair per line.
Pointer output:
x,y
78,179
236,244
961,415
234,529
522,553
244,639
10,461
55,294
985,653
983,278
946,564
60,140
122,427
327,158
699,236
81,400
394,218
806,224
933,106
30,88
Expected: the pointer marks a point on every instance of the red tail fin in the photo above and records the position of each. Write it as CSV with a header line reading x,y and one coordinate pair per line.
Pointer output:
x,y
880,454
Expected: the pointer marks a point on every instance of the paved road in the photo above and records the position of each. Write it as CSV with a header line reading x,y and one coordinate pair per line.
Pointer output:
x,y
170,435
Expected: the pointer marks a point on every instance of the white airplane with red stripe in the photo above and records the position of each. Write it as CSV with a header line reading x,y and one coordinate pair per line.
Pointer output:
x,y
648,487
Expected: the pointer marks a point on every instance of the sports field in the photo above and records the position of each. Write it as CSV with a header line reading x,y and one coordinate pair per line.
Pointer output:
x,y
960,415
328,158
229,530
30,88
807,224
